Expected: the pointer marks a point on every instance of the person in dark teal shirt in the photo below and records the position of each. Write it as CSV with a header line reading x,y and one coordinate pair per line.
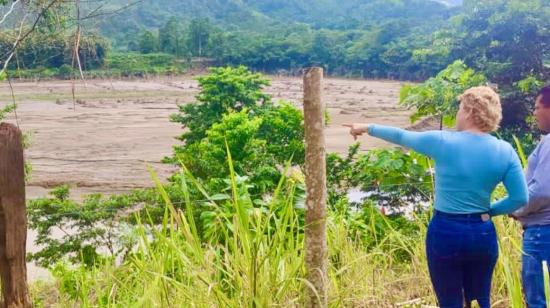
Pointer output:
x,y
461,242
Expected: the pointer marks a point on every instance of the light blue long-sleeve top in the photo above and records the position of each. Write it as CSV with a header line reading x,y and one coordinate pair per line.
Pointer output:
x,y
468,167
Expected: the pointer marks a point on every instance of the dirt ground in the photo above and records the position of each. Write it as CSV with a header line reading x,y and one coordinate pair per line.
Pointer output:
x,y
104,140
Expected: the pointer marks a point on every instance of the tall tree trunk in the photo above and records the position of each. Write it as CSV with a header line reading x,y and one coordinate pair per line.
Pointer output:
x,y
316,255
200,46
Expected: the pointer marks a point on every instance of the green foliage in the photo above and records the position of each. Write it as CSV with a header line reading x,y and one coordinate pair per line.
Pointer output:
x,y
52,50
199,38
373,38
371,227
223,90
384,51
342,175
263,15
523,140
396,179
241,218
6,110
135,64
116,65
172,38
147,42
93,50
199,34
530,85
326,51
86,233
282,129
507,40
47,50
207,158
233,111
258,144
245,243
390,178
249,239
65,71
251,253
438,96
497,35
403,39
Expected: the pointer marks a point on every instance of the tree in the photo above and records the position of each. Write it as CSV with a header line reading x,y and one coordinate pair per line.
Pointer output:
x,y
225,89
507,40
199,33
207,159
38,10
171,38
53,50
46,24
147,42
43,49
92,51
433,53
282,127
364,55
232,110
438,95
325,51
260,144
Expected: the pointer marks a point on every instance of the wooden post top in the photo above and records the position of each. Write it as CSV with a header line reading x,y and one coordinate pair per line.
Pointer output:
x,y
12,166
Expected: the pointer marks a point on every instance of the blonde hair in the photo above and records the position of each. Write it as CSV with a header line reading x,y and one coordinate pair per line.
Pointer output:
x,y
483,105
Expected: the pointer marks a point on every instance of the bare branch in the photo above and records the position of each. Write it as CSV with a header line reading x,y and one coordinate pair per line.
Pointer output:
x,y
15,44
77,40
76,54
13,99
9,11
21,38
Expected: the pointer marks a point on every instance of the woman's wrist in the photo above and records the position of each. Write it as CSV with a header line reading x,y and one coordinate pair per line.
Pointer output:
x,y
366,128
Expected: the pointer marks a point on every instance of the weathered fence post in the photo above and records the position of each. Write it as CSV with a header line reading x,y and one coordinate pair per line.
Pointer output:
x,y
13,219
316,255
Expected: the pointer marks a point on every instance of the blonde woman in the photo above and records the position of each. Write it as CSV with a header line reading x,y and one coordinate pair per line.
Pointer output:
x,y
461,243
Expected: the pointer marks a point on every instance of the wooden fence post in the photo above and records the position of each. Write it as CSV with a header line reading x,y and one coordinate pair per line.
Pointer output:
x,y
316,252
13,219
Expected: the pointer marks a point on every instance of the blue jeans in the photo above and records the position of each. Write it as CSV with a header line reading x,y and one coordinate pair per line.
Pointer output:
x,y
462,253
536,249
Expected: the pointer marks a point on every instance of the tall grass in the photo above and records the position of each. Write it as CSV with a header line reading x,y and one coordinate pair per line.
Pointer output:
x,y
258,260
